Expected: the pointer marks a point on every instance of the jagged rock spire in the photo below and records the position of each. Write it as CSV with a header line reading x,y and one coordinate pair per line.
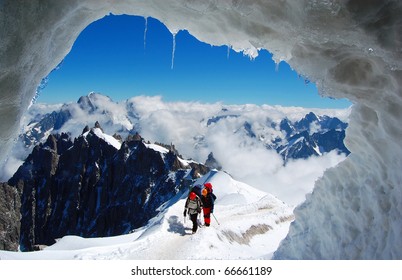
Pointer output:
x,y
211,162
97,125
86,129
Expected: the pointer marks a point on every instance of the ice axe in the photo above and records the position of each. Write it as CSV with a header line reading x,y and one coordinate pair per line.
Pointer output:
x,y
215,219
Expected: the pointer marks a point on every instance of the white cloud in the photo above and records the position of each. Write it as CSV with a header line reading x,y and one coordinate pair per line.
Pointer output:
x,y
245,158
8,169
13,162
292,182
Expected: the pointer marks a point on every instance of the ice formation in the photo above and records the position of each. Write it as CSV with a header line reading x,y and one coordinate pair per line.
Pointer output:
x,y
173,48
349,48
145,32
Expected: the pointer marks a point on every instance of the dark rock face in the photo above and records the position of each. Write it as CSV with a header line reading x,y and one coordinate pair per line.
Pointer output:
x,y
9,217
91,189
34,177
212,163
331,140
299,146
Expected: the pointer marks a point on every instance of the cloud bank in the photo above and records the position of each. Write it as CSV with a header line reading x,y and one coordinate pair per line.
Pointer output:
x,y
246,158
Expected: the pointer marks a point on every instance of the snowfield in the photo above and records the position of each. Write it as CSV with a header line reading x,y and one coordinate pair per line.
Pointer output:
x,y
251,225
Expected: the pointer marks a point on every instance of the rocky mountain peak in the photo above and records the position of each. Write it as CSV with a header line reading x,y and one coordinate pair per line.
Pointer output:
x,y
90,188
212,163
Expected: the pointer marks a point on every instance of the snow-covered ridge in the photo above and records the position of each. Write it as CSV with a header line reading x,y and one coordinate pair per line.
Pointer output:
x,y
157,148
251,225
108,138
164,150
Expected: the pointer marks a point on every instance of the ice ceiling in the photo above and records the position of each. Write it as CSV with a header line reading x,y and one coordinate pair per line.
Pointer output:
x,y
350,49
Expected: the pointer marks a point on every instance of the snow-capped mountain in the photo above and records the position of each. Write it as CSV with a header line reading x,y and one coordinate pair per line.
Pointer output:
x,y
96,186
292,139
88,109
305,145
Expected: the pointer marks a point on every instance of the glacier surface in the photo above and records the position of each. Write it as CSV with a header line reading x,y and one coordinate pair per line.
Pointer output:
x,y
350,48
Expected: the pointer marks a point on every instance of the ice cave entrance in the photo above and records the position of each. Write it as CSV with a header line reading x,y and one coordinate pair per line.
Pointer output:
x,y
123,56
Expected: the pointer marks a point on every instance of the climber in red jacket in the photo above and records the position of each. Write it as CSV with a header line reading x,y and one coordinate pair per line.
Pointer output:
x,y
208,201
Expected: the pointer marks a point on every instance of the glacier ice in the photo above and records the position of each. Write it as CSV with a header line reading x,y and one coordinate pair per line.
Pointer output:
x,y
350,48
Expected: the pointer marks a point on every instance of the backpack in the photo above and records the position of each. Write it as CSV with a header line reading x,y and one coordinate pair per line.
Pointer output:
x,y
197,189
193,205
208,200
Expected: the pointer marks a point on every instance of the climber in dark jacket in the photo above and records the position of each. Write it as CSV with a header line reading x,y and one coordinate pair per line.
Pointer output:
x,y
193,207
208,202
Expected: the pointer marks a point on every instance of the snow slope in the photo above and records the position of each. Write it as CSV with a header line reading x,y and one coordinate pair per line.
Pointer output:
x,y
107,138
251,225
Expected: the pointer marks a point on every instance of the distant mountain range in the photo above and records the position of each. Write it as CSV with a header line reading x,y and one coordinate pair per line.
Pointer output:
x,y
308,136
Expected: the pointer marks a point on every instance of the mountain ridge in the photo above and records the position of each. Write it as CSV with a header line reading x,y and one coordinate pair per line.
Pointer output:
x,y
94,187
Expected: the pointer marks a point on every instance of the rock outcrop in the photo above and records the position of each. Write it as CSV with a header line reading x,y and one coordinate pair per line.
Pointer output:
x,y
9,217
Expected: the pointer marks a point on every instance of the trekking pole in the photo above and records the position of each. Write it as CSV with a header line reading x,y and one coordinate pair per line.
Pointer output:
x,y
215,218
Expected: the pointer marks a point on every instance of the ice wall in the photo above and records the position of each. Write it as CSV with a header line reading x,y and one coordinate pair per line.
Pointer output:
x,y
350,49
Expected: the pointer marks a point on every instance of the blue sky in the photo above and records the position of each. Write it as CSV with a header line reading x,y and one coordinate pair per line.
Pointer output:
x,y
111,57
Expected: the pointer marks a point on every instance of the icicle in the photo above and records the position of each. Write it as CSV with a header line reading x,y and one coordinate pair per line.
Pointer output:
x,y
145,32
228,53
43,84
277,66
39,89
174,48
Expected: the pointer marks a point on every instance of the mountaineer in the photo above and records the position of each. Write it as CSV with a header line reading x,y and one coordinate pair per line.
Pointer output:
x,y
193,208
208,201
